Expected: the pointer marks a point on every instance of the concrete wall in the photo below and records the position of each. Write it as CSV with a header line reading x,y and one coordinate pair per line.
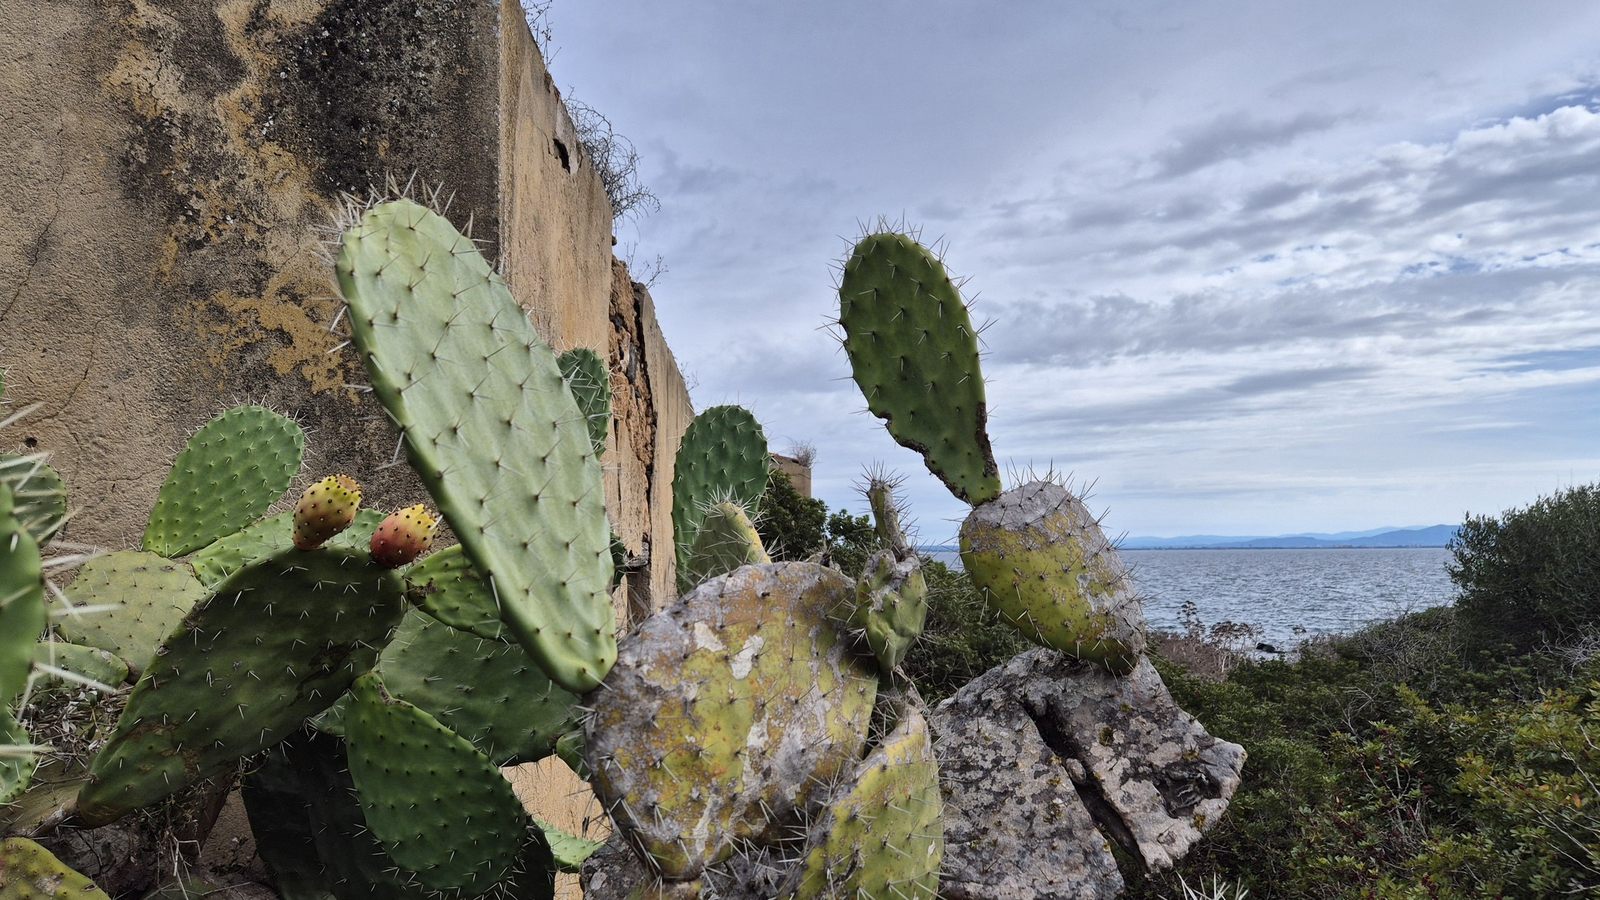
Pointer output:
x,y
168,166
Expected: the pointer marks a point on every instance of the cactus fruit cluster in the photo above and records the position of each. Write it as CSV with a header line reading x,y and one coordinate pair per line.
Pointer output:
x,y
1039,559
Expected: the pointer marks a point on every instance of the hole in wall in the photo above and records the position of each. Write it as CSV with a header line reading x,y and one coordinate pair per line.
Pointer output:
x,y
562,154
30,442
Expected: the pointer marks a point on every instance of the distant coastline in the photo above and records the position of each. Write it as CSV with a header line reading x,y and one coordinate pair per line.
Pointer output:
x,y
1431,536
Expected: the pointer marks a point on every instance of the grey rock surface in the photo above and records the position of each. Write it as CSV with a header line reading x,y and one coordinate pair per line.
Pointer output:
x,y
1046,760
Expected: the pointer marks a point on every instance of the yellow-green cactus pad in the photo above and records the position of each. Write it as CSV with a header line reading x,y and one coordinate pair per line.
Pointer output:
x,y
133,599
75,663
22,607
914,354
275,643
227,555
882,835
725,541
227,476
490,429
30,872
1045,567
725,713
439,807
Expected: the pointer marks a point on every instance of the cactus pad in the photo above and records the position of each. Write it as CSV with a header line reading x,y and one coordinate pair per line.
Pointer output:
x,y
275,643
266,537
38,492
1043,564
724,541
92,663
22,606
444,585
883,834
725,712
30,872
439,807
486,690
233,468
490,428
723,456
138,599
590,383
891,605
16,763
914,354
569,850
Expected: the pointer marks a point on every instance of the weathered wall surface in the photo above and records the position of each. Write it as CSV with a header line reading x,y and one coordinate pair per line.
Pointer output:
x,y
168,166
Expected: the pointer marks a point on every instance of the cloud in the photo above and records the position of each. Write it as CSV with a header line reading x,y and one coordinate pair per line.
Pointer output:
x,y
1234,138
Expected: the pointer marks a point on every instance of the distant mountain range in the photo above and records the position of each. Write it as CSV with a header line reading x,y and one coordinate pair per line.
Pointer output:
x,y
1422,536
1428,536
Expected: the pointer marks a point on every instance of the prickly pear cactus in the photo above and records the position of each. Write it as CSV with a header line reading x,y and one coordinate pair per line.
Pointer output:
x,y
486,690
723,456
725,712
439,807
444,585
136,599
914,353
233,468
30,872
590,383
892,594
22,607
325,509
275,643
882,835
568,849
725,541
490,428
17,759
37,491
1042,562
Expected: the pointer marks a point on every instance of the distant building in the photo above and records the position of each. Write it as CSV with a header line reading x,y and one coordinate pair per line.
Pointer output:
x,y
799,472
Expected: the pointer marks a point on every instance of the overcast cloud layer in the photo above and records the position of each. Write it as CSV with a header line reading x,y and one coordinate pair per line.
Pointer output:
x,y
1251,267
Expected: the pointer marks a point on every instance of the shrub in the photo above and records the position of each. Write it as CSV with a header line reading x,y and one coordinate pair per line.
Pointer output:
x,y
1529,575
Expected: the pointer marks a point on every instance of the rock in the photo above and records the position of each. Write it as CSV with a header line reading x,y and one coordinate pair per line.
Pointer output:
x,y
1044,759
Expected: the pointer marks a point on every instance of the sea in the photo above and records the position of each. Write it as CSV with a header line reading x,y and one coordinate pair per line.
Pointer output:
x,y
1289,595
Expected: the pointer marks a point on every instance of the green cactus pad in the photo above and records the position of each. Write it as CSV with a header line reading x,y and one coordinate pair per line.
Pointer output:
x,y
914,354
30,872
590,383
883,834
92,663
38,492
723,456
444,585
487,691
274,644
16,764
726,711
439,807
136,600
891,606
22,608
233,468
568,849
725,541
227,555
569,747
490,428
1043,564
311,833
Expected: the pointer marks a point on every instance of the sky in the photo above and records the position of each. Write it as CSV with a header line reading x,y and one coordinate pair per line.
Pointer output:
x,y
1248,268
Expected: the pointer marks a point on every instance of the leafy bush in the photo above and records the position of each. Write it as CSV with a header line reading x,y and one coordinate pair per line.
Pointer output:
x,y
791,525
1529,575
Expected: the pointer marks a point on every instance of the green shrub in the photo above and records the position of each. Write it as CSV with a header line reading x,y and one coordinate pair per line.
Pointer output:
x,y
1529,574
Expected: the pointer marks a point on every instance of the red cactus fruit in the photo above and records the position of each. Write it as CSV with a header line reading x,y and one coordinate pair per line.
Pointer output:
x,y
325,509
404,536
